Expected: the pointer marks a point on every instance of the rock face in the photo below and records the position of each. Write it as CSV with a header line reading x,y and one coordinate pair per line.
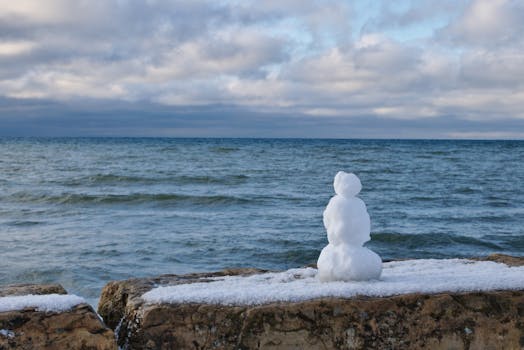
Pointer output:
x,y
79,328
121,306
486,320
35,289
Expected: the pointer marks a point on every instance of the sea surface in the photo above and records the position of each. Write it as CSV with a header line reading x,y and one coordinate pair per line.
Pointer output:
x,y
84,211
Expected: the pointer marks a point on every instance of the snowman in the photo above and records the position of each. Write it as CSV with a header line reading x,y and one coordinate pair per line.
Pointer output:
x,y
348,227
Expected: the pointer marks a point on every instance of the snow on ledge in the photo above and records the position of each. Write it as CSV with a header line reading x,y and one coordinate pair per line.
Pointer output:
x,y
46,302
6,333
398,277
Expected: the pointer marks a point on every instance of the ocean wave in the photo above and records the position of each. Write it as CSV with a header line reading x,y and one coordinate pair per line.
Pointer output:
x,y
223,149
439,153
132,198
508,241
112,179
226,180
100,179
419,198
413,241
299,256
23,223
101,253
466,190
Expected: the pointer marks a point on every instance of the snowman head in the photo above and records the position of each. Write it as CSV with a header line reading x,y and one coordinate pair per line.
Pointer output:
x,y
347,184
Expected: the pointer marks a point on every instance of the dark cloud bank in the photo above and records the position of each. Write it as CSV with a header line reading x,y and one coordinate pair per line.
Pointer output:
x,y
116,119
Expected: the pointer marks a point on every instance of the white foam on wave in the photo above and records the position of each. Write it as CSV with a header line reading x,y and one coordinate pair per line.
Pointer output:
x,y
399,277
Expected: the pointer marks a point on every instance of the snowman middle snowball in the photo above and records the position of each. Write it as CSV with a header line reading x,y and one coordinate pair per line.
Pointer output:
x,y
348,227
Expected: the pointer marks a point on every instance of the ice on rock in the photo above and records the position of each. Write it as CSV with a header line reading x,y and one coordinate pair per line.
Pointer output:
x,y
348,227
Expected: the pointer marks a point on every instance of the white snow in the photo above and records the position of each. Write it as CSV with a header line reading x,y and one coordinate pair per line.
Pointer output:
x,y
399,277
347,185
47,302
348,263
348,227
7,333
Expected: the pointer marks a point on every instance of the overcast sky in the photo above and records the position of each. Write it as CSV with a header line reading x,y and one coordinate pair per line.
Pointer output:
x,y
241,68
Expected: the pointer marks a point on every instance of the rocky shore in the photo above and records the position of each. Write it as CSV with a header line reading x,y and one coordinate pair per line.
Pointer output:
x,y
469,320
30,328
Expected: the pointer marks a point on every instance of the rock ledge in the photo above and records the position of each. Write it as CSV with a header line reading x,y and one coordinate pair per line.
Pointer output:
x,y
476,320
76,329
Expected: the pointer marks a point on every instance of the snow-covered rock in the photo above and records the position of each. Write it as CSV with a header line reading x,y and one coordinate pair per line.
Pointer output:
x,y
45,317
430,304
48,302
295,285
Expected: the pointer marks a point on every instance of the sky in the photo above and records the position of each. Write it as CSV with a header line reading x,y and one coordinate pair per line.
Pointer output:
x,y
245,68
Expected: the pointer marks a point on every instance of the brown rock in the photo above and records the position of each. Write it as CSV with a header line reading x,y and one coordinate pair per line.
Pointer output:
x,y
506,259
487,320
36,289
119,297
79,328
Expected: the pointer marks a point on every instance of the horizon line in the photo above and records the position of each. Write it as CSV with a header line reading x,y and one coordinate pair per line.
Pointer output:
x,y
258,138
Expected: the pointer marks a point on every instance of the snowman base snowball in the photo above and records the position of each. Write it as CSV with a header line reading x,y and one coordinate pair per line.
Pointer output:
x,y
346,263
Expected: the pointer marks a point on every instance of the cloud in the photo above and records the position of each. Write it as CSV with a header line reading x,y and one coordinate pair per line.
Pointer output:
x,y
488,24
327,63
15,48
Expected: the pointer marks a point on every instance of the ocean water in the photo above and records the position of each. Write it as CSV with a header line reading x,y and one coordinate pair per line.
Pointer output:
x,y
84,211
